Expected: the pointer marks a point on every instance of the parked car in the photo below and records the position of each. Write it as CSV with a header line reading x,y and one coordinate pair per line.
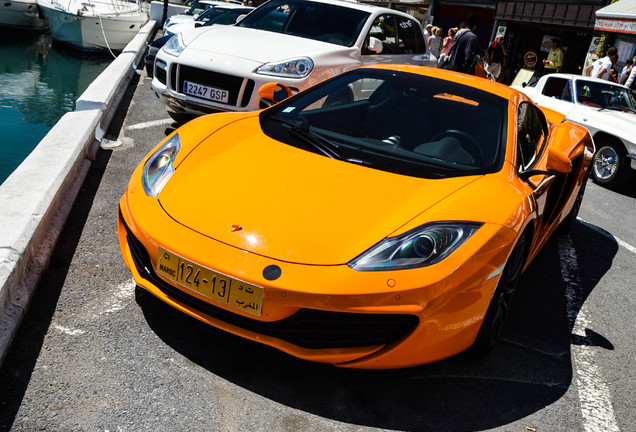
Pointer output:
x,y
387,229
298,43
197,7
225,14
606,109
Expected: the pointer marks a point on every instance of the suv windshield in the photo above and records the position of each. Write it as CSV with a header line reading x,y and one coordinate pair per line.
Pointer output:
x,y
602,95
395,121
312,20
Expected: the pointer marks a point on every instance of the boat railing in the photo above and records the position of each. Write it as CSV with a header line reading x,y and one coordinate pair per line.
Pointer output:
x,y
100,7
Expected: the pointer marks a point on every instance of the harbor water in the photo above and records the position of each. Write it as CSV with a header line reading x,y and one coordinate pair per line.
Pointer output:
x,y
39,82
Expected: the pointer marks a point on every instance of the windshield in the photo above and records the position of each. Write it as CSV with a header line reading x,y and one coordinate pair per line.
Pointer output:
x,y
198,8
221,16
318,21
605,95
395,121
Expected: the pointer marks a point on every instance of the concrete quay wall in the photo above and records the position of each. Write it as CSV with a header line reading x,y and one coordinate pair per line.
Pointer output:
x,y
36,199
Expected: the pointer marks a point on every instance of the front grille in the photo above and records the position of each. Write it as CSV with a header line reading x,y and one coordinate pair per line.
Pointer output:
x,y
213,79
308,328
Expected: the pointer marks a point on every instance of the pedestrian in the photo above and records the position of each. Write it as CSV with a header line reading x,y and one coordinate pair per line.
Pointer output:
x,y
464,50
554,61
427,31
435,41
496,52
446,46
631,79
629,63
601,67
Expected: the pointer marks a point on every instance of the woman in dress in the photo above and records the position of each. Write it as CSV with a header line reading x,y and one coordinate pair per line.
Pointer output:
x,y
446,46
435,42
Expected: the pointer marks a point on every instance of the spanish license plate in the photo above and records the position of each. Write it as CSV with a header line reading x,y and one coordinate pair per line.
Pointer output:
x,y
206,92
233,292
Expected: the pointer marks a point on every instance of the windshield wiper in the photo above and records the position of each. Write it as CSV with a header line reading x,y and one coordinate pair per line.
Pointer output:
x,y
619,108
300,129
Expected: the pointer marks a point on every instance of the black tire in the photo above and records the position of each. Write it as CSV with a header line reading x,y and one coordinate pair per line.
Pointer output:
x,y
497,313
611,165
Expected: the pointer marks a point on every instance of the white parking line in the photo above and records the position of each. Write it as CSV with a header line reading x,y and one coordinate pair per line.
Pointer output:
x,y
594,395
626,245
149,124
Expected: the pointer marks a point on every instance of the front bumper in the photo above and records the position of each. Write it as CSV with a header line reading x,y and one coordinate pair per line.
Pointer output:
x,y
329,314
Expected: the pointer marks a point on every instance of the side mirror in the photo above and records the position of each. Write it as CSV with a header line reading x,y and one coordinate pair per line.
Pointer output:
x,y
375,45
558,161
272,93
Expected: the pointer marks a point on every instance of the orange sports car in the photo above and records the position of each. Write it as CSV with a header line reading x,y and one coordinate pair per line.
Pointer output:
x,y
381,219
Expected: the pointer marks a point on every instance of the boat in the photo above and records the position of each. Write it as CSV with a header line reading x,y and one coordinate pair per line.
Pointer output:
x,y
22,14
94,25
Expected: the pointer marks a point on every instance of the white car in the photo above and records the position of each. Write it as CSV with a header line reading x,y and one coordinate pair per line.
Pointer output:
x,y
606,109
294,42
197,8
225,14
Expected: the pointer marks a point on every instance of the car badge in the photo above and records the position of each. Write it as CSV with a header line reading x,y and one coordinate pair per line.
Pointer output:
x,y
236,228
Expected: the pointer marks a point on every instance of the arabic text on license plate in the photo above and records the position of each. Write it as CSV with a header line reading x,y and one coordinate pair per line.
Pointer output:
x,y
206,92
241,295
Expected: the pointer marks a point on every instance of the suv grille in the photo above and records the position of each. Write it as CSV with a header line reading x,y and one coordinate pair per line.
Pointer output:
x,y
219,80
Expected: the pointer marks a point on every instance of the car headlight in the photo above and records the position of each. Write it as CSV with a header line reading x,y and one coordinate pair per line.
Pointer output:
x,y
174,46
160,166
421,247
296,68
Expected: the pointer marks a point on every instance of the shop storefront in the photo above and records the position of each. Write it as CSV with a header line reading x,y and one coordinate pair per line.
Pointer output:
x,y
419,9
530,26
619,20
451,13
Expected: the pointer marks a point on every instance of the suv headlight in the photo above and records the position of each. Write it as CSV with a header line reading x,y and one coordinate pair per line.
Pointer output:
x,y
160,166
421,247
295,68
174,46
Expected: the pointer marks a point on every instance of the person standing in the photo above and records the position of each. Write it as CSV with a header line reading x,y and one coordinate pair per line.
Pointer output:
x,y
464,49
435,41
554,61
631,79
446,46
496,52
601,67
427,31
629,63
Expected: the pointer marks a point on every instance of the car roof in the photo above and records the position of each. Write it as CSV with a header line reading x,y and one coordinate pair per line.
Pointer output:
x,y
580,77
353,4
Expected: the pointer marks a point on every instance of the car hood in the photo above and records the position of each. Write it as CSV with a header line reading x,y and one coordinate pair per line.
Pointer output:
x,y
290,204
255,45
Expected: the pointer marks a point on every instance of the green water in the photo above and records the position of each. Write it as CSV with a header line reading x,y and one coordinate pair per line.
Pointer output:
x,y
39,83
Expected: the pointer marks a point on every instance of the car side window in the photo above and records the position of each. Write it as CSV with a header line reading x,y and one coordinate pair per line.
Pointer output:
x,y
559,88
531,129
410,37
383,28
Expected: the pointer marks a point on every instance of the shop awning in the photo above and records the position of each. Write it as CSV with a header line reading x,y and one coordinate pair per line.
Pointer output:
x,y
548,12
619,17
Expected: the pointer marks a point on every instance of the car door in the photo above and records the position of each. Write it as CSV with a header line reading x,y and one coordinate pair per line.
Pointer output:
x,y
557,94
401,38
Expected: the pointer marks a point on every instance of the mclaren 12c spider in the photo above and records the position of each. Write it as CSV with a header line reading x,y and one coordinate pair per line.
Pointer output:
x,y
380,219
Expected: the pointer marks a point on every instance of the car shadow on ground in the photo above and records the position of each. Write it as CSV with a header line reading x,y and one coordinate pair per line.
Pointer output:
x,y
528,370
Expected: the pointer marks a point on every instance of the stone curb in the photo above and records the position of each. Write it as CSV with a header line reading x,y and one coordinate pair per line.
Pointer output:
x,y
37,198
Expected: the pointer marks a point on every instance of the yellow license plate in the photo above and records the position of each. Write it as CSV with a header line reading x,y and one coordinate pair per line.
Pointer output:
x,y
233,292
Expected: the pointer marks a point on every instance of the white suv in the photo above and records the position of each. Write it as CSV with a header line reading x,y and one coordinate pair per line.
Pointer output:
x,y
294,42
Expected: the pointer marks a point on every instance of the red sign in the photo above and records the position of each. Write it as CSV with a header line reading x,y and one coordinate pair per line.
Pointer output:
x,y
616,25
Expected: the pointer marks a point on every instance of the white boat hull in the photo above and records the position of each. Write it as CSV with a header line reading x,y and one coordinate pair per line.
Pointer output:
x,y
23,14
93,32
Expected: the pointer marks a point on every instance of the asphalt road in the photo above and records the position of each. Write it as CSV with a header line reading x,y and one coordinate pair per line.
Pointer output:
x,y
96,354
